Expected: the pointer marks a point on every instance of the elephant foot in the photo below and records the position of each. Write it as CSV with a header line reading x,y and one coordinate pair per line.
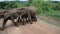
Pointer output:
x,y
2,29
16,25
23,23
31,23
18,21
35,20
27,20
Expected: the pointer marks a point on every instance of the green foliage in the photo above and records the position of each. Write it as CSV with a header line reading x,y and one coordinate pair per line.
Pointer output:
x,y
13,4
46,8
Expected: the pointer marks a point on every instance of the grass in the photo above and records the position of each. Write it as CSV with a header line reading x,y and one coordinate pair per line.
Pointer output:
x,y
40,17
47,8
49,21
53,14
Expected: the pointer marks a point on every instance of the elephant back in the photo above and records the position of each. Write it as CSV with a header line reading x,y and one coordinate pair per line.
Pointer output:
x,y
6,14
13,10
30,10
22,11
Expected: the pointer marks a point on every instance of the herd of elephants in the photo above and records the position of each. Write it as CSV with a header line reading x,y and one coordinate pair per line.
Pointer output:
x,y
21,14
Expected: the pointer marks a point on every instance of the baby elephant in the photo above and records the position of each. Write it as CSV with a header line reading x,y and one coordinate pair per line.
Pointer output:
x,y
28,12
33,13
10,15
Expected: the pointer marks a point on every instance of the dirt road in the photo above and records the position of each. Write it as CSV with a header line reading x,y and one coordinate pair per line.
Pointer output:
x,y
39,27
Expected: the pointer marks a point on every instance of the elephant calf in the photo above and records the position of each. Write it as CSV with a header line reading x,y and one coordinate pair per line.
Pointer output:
x,y
23,12
10,15
28,12
33,13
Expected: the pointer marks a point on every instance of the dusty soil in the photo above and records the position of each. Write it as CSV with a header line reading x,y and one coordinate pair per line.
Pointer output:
x,y
39,27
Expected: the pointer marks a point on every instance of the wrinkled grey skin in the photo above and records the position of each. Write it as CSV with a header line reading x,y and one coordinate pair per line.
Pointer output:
x,y
33,13
10,15
22,12
28,12
2,13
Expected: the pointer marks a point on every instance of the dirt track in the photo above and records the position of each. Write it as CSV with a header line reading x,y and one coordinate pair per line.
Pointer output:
x,y
39,27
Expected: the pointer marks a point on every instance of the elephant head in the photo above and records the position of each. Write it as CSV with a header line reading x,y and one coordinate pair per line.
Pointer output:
x,y
2,12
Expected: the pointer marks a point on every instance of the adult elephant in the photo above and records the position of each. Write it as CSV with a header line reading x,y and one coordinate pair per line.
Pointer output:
x,y
10,15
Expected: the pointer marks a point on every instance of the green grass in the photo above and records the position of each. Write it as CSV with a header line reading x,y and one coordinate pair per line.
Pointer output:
x,y
47,8
49,21
53,14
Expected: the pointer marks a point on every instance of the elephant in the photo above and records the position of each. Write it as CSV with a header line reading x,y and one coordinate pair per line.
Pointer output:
x,y
33,12
10,15
29,11
22,12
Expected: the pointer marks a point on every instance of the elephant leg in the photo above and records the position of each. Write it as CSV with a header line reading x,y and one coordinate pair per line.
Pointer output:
x,y
18,19
4,23
23,21
26,20
34,18
29,17
0,17
12,18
